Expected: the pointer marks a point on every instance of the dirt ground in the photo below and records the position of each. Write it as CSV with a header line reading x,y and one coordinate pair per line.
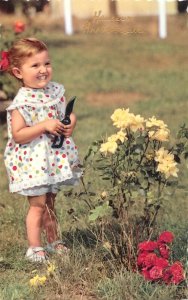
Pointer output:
x,y
116,98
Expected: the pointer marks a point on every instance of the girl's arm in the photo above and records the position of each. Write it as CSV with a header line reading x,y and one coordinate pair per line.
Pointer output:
x,y
23,134
68,129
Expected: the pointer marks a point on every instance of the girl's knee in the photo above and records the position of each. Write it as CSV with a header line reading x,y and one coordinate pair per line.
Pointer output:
x,y
37,202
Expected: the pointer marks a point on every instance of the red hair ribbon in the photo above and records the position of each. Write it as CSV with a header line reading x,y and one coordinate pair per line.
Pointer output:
x,y
4,62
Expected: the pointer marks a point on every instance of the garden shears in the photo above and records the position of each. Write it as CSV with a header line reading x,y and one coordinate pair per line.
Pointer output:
x,y
65,121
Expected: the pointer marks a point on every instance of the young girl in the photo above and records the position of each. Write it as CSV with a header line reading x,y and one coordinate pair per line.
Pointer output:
x,y
34,168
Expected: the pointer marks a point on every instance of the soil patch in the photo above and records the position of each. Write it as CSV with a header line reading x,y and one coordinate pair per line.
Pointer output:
x,y
114,98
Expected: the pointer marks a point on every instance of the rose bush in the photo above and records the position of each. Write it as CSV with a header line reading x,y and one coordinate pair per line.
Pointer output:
x,y
136,165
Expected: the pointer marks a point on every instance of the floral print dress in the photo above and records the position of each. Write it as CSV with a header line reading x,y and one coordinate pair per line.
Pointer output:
x,y
36,163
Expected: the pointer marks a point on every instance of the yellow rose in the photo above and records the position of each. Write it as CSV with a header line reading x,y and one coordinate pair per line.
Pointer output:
x,y
108,147
112,138
168,169
166,165
153,122
121,118
160,135
136,122
163,154
120,135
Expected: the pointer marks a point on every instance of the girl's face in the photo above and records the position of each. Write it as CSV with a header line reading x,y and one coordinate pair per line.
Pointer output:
x,y
36,71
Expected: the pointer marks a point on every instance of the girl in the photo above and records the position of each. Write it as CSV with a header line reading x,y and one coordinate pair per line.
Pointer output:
x,y
34,168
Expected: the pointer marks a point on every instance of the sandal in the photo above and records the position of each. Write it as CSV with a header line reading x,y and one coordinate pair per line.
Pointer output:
x,y
33,255
57,247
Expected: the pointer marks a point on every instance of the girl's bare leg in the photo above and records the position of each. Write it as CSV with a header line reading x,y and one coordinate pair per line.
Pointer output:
x,y
34,220
49,220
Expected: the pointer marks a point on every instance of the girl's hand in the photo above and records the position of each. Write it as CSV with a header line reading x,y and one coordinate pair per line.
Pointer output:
x,y
54,126
68,129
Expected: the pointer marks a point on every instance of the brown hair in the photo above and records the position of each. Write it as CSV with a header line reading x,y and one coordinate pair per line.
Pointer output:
x,y
22,49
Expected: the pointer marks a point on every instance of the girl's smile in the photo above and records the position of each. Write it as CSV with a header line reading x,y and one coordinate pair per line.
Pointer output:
x,y
36,71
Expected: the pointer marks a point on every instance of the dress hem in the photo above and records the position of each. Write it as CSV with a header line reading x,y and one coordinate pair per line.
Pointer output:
x,y
16,187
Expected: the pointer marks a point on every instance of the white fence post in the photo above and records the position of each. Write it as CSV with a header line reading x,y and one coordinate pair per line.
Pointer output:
x,y
162,19
68,17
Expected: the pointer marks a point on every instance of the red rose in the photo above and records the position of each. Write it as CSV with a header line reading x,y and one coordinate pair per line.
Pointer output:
x,y
156,272
146,274
166,237
164,250
4,63
147,246
161,262
19,27
174,274
141,258
167,275
150,260
177,272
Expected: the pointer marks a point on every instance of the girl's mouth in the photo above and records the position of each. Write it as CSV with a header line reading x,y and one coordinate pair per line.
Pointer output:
x,y
42,77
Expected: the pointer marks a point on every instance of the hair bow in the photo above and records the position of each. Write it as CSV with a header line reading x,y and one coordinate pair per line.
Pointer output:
x,y
4,62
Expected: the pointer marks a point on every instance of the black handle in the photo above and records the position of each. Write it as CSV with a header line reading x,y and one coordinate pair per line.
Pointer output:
x,y
56,144
65,121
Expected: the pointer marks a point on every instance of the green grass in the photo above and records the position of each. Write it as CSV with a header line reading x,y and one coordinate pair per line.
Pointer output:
x,y
85,64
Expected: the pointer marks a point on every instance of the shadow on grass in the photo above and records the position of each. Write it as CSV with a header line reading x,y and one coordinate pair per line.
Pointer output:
x,y
79,237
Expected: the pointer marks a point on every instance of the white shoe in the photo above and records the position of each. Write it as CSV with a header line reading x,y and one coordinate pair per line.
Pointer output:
x,y
33,255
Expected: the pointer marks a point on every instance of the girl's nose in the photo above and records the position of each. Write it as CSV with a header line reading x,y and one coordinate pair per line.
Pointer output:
x,y
43,69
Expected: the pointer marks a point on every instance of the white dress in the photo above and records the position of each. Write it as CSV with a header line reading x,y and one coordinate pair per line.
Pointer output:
x,y
36,163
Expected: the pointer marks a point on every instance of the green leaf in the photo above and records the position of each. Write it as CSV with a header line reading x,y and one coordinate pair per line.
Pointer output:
x,y
100,211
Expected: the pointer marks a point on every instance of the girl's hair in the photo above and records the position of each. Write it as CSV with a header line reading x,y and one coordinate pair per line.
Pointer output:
x,y
23,49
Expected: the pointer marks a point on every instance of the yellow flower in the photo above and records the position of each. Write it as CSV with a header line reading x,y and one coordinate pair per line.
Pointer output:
x,y
37,280
168,168
120,135
108,147
166,165
104,195
50,269
160,135
121,118
163,154
153,122
136,122
112,138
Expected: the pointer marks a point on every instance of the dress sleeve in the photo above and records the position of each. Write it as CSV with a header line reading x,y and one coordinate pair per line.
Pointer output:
x,y
61,104
24,111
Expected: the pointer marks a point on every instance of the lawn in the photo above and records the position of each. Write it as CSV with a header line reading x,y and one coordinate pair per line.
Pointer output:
x,y
104,71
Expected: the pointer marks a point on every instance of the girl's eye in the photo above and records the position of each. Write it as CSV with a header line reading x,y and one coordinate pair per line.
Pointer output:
x,y
34,66
48,63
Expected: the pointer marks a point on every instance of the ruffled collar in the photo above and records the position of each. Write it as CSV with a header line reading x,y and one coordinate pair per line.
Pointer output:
x,y
49,95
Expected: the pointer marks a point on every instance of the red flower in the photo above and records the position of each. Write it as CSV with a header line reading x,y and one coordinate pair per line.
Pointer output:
x,y
164,250
19,27
156,272
161,262
174,274
141,258
167,275
4,63
166,237
146,274
147,246
150,260
177,272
